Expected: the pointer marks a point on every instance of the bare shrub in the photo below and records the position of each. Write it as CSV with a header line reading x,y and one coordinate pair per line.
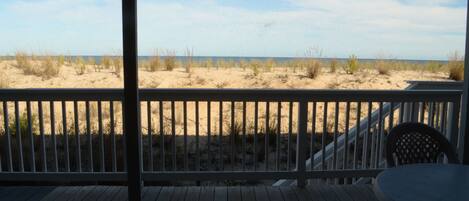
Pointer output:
x,y
155,62
106,63
208,64
60,60
313,68
49,68
382,67
333,65
456,67
23,62
170,60
433,66
117,64
80,68
255,66
352,65
4,81
189,58
269,65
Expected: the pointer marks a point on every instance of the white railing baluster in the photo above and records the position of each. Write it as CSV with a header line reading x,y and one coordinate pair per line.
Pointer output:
x,y
266,135
113,137
54,140
18,137
290,128
209,136
8,136
32,160
102,167
197,140
89,137
65,137
279,133
186,156
77,136
256,125
149,137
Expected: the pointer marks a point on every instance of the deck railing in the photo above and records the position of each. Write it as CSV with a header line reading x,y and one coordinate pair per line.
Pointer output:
x,y
209,134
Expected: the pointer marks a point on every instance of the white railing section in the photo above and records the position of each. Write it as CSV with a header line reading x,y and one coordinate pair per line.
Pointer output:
x,y
209,134
440,121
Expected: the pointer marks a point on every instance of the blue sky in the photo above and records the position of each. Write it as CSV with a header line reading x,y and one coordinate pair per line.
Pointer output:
x,y
404,29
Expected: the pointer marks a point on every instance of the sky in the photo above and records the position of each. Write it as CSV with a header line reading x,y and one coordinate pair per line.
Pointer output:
x,y
401,29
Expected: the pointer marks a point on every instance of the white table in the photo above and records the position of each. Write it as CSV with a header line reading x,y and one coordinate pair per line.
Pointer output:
x,y
426,182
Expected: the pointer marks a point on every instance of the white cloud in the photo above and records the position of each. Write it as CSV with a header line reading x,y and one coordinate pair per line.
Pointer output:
x,y
406,29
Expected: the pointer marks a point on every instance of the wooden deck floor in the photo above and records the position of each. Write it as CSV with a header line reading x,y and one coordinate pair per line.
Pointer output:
x,y
192,193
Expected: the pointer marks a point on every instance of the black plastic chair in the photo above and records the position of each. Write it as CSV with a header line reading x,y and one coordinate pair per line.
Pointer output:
x,y
410,143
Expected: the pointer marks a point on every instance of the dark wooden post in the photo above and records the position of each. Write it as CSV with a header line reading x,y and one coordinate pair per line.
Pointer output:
x,y
465,108
131,100
301,143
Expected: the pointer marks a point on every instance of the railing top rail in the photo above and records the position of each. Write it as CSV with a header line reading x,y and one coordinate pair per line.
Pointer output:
x,y
318,95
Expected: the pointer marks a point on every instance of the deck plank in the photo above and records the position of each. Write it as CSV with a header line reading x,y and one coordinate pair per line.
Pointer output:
x,y
41,193
56,194
166,193
288,193
179,194
221,194
327,193
340,193
274,194
303,194
193,193
83,192
94,194
151,193
364,192
247,194
314,192
110,192
234,193
207,193
121,194
261,193
68,194
356,196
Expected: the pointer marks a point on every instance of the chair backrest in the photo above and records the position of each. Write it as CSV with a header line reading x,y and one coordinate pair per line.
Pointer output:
x,y
410,143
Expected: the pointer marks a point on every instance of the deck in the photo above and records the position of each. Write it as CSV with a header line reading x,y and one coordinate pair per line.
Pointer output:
x,y
192,193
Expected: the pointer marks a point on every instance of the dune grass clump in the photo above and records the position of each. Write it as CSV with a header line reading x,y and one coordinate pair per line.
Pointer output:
x,y
333,65
23,125
313,68
106,63
208,64
60,60
269,65
352,65
382,67
189,60
80,68
170,60
4,81
456,67
255,66
154,63
117,64
23,62
433,66
49,68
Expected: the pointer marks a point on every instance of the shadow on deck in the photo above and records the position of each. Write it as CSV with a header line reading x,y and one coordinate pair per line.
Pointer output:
x,y
192,193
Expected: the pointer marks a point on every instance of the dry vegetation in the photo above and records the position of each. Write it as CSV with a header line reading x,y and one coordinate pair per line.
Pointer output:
x,y
456,67
168,72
